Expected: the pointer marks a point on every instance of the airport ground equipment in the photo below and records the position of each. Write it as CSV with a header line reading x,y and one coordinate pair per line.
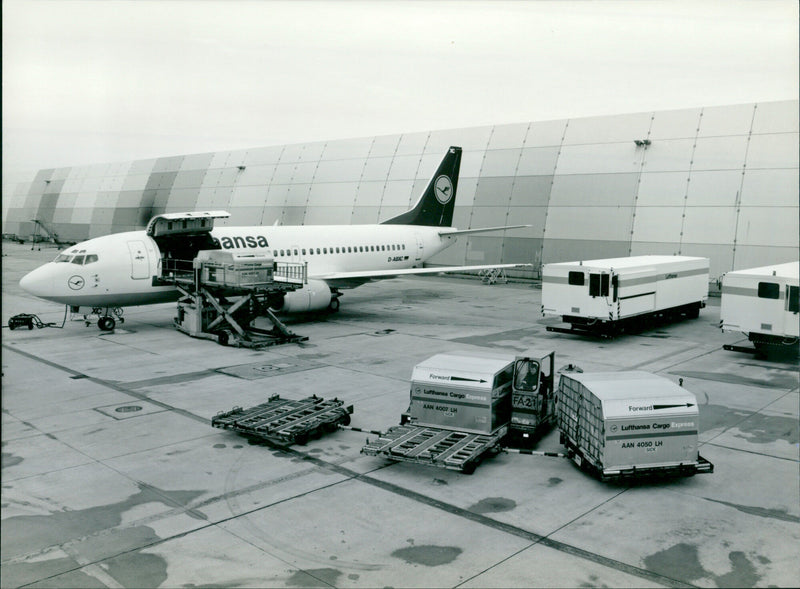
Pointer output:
x,y
607,297
30,321
764,304
532,397
24,320
619,425
284,422
211,281
461,409
435,446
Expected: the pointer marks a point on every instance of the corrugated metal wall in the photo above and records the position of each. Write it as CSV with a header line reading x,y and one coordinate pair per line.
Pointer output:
x,y
720,182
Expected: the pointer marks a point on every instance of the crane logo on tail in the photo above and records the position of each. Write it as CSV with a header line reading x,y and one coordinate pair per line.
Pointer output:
x,y
443,189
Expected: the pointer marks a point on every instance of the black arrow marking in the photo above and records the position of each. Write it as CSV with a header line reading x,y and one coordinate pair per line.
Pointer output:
x,y
656,407
467,379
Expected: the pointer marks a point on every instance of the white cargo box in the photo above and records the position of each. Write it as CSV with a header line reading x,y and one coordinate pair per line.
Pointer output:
x,y
762,301
615,289
234,269
626,423
462,391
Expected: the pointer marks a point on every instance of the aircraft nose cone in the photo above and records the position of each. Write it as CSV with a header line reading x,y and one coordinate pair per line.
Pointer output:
x,y
38,283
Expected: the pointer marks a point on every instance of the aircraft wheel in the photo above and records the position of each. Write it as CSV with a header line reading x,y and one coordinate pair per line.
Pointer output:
x,y
334,305
106,323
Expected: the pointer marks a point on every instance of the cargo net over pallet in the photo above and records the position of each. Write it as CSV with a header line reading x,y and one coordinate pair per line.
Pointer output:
x,y
581,418
284,422
454,450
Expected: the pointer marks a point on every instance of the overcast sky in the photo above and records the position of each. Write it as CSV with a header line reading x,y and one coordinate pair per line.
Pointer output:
x,y
106,81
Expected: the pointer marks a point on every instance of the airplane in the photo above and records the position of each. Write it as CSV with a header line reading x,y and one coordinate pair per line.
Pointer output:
x,y
121,269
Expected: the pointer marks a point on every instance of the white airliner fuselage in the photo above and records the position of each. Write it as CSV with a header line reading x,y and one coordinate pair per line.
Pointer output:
x,y
117,270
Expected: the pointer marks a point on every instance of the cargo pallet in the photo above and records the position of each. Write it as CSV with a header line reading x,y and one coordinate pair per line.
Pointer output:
x,y
284,421
454,450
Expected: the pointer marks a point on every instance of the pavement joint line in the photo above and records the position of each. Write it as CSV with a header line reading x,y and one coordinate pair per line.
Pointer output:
x,y
497,525
742,420
710,443
397,490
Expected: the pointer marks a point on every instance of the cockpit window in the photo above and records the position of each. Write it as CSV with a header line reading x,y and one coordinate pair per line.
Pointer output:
x,y
90,258
78,260
62,258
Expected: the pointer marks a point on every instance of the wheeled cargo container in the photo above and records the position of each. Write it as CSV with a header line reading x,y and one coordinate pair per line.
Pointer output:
x,y
464,391
623,424
764,304
606,297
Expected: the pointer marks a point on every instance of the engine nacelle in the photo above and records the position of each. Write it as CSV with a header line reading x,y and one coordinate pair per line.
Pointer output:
x,y
314,296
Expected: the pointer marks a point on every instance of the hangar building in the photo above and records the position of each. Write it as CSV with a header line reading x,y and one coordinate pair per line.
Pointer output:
x,y
719,182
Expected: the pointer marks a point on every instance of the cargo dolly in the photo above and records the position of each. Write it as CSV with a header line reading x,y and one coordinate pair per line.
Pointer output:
x,y
454,450
284,421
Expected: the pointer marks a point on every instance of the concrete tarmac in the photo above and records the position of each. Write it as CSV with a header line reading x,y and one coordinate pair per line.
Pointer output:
x,y
112,475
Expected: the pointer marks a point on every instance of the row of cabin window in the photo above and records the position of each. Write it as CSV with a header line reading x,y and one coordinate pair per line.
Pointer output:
x,y
342,250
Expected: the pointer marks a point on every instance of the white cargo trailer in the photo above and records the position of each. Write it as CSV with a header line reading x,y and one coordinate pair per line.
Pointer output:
x,y
608,297
627,424
764,304
463,391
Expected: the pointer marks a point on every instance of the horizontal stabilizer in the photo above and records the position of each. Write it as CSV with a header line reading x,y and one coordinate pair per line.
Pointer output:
x,y
484,230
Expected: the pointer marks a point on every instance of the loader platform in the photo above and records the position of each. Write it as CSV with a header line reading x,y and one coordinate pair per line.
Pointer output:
x,y
284,421
454,450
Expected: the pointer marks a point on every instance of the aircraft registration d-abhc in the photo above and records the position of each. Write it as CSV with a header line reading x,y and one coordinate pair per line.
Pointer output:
x,y
119,270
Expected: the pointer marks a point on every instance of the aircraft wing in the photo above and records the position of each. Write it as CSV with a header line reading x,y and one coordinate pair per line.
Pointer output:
x,y
350,279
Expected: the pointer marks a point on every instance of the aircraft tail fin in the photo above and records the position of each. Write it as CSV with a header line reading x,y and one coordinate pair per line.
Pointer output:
x,y
435,206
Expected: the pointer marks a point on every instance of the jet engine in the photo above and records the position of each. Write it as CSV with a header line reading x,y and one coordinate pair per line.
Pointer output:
x,y
314,296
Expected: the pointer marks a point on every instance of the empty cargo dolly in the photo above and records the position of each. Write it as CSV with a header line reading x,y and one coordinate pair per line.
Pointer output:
x,y
455,450
284,421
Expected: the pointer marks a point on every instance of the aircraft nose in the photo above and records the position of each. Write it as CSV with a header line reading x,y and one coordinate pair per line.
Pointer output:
x,y
38,283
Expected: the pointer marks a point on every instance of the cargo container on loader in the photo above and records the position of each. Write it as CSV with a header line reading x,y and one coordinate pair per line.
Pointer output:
x,y
629,424
464,405
764,304
611,296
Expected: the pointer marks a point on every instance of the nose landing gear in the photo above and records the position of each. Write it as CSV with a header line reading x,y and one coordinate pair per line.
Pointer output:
x,y
105,320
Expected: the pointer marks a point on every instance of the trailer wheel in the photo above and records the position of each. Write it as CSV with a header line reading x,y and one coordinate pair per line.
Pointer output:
x,y
301,440
222,338
469,467
346,419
